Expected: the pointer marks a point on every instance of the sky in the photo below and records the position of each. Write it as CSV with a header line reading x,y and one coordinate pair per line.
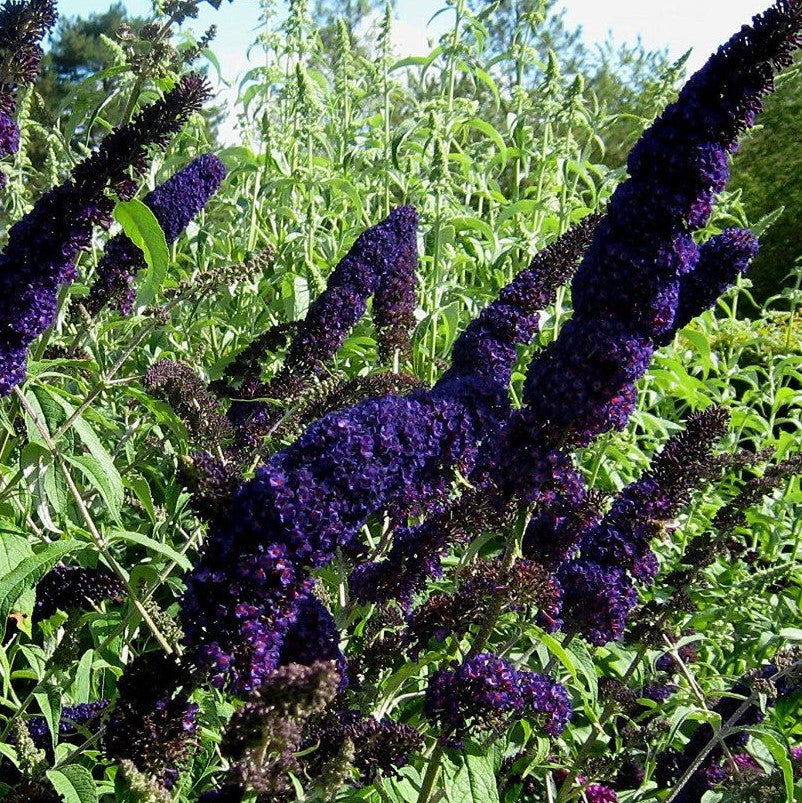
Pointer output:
x,y
678,25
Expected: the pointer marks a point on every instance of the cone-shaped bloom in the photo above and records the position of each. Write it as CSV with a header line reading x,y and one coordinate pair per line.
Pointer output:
x,y
174,204
382,261
643,259
598,588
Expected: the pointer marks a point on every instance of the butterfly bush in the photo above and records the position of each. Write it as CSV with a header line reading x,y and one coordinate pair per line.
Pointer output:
x,y
255,616
484,356
627,290
397,453
313,497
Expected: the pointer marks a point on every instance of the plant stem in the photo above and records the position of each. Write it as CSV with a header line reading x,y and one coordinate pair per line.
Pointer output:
x,y
432,771
97,537
497,602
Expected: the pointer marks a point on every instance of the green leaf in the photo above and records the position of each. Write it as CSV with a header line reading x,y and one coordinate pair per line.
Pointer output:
x,y
82,684
28,573
91,441
13,550
142,228
139,485
471,781
779,752
489,131
766,222
557,649
107,483
154,545
300,295
74,783
404,787
583,661
49,700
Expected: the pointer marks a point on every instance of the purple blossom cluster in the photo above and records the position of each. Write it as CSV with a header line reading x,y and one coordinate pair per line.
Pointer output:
x,y
485,692
524,587
42,247
74,719
598,585
382,746
213,483
264,735
23,25
312,637
186,393
556,529
599,793
394,453
485,353
67,588
395,297
483,359
174,204
381,263
150,726
643,276
248,608
357,462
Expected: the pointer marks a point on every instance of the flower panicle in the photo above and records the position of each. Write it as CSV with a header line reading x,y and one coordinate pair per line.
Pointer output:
x,y
628,292
415,556
69,588
265,733
127,146
733,514
598,585
174,204
384,746
381,263
484,354
186,393
213,484
152,722
486,693
526,586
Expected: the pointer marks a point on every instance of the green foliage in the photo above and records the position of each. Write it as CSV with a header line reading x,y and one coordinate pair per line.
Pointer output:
x,y
767,170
